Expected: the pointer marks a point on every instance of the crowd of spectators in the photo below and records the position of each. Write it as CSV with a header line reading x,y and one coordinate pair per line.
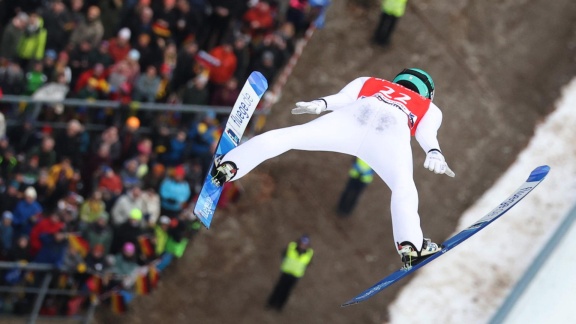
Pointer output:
x,y
103,203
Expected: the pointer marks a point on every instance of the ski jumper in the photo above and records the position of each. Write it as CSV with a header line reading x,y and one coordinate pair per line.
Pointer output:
x,y
374,120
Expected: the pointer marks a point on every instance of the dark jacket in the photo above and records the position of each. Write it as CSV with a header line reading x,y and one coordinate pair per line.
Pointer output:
x,y
52,251
10,40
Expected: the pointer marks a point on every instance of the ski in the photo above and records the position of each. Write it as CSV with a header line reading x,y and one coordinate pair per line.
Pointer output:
x,y
536,176
239,118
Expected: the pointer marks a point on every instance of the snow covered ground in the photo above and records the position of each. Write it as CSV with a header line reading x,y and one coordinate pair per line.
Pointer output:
x,y
470,283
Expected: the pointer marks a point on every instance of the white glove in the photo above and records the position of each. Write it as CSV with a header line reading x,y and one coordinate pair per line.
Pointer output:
x,y
435,162
309,107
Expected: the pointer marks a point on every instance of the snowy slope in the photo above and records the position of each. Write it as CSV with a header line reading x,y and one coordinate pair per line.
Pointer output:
x,y
469,283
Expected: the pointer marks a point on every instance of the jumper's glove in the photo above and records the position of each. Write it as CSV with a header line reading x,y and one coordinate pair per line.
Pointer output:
x,y
435,162
309,107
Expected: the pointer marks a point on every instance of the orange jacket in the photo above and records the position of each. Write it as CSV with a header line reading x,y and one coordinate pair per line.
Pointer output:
x,y
228,62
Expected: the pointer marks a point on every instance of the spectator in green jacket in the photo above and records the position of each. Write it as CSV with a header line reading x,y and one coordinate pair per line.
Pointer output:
x,y
124,263
35,78
99,233
161,234
33,42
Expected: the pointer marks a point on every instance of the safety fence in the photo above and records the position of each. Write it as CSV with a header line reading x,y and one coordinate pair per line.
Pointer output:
x,y
30,293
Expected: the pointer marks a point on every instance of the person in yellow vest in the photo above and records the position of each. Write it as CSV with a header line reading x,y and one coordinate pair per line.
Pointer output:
x,y
391,11
297,257
360,176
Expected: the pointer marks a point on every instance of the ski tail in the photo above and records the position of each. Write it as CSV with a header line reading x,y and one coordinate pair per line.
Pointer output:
x,y
239,118
534,179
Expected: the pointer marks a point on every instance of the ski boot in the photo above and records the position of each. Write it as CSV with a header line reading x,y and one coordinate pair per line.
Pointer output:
x,y
411,256
223,172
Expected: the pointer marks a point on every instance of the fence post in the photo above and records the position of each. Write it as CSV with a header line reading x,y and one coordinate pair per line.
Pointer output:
x,y
36,110
40,298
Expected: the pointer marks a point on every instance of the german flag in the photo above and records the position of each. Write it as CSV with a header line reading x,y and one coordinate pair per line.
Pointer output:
x,y
146,246
78,244
161,28
118,303
94,284
153,277
142,285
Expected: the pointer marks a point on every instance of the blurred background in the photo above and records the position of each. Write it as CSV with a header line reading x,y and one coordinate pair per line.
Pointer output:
x,y
112,108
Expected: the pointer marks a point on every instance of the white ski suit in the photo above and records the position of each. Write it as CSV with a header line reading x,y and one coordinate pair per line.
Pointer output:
x,y
372,119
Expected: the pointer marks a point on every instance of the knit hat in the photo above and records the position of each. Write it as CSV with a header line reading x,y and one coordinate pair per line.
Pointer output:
x,y
134,55
8,215
124,33
179,171
30,192
129,247
136,214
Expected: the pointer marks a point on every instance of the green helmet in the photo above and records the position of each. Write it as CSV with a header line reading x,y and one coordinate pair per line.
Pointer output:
x,y
416,80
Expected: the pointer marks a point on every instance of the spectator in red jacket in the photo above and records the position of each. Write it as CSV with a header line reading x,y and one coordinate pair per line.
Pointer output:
x,y
119,46
220,74
110,184
47,225
98,73
259,19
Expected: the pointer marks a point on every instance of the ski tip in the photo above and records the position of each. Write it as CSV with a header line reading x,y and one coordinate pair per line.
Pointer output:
x,y
539,173
258,82
349,303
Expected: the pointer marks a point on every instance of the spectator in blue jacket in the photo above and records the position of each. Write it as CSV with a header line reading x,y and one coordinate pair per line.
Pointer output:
x,y
54,246
176,151
26,212
6,233
174,192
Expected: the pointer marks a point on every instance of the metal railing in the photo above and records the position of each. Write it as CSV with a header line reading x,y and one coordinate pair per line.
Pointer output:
x,y
33,109
42,291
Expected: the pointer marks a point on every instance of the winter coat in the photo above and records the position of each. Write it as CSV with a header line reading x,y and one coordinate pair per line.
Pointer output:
x,y
151,207
10,41
12,79
123,206
112,184
45,159
126,233
225,71
123,265
55,173
52,251
44,227
6,237
175,153
33,43
90,31
146,88
118,52
90,211
96,234
161,237
24,211
58,26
